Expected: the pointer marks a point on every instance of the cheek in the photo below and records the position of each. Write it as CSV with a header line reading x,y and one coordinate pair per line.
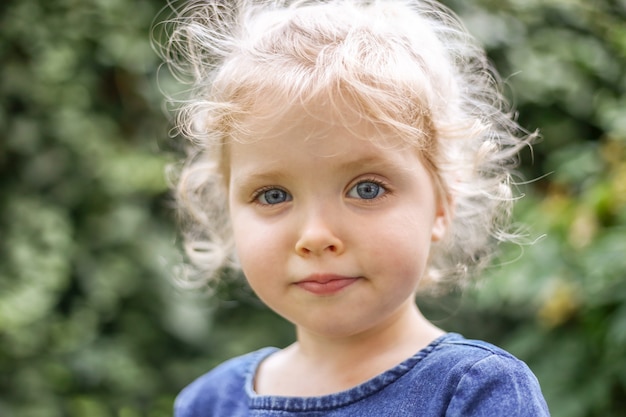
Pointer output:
x,y
257,246
404,244
246,240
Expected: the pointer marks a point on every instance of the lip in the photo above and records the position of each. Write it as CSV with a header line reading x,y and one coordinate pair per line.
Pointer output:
x,y
325,284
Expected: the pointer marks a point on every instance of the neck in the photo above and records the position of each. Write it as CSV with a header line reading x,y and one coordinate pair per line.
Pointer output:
x,y
357,358
333,364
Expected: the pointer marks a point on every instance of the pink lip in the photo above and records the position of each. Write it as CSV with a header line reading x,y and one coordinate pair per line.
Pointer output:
x,y
325,284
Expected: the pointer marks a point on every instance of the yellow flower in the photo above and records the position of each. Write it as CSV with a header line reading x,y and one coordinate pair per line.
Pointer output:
x,y
560,304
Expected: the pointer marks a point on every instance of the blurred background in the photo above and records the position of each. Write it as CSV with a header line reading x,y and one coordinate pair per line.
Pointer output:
x,y
91,320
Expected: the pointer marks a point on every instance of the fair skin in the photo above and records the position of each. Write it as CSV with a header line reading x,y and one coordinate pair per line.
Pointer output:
x,y
333,233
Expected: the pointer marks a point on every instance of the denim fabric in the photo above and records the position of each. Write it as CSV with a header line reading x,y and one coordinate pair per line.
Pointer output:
x,y
452,376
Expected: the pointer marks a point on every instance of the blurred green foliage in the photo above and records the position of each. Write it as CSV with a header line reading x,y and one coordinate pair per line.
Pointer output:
x,y
91,323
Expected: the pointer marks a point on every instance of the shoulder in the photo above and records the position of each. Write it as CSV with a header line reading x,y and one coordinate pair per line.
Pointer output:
x,y
465,352
222,390
458,356
485,380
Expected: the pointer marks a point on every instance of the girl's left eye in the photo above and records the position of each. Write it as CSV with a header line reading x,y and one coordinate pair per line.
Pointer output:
x,y
366,190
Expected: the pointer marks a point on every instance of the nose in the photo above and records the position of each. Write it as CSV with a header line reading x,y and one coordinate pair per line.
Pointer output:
x,y
318,235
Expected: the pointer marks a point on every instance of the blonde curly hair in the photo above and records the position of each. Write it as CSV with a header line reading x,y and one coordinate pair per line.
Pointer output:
x,y
406,65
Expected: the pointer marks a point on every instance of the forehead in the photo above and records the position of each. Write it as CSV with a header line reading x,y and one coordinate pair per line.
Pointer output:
x,y
308,146
314,131
312,121
328,126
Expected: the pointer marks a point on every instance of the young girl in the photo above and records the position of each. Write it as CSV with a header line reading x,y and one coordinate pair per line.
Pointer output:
x,y
346,154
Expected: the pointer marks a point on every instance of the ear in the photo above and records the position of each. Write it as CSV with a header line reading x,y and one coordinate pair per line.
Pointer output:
x,y
442,220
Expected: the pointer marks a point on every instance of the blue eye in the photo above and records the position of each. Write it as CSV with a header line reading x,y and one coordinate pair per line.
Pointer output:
x,y
273,196
366,190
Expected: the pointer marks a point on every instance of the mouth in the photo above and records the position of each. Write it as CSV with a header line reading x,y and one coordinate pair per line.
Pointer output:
x,y
326,284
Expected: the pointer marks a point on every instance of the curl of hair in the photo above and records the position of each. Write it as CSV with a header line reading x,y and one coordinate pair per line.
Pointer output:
x,y
406,65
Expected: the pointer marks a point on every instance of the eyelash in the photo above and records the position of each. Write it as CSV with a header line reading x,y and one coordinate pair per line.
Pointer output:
x,y
382,184
258,193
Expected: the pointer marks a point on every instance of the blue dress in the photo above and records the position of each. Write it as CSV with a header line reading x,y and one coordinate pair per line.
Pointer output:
x,y
452,376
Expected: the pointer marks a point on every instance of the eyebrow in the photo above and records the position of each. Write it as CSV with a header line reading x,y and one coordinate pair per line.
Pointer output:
x,y
373,161
250,179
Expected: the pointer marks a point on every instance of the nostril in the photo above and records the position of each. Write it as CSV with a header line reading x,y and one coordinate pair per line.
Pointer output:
x,y
317,241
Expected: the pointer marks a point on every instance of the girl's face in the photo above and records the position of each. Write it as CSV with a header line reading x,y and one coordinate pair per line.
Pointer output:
x,y
332,231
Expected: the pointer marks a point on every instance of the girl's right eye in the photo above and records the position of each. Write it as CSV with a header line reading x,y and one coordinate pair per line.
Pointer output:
x,y
272,196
